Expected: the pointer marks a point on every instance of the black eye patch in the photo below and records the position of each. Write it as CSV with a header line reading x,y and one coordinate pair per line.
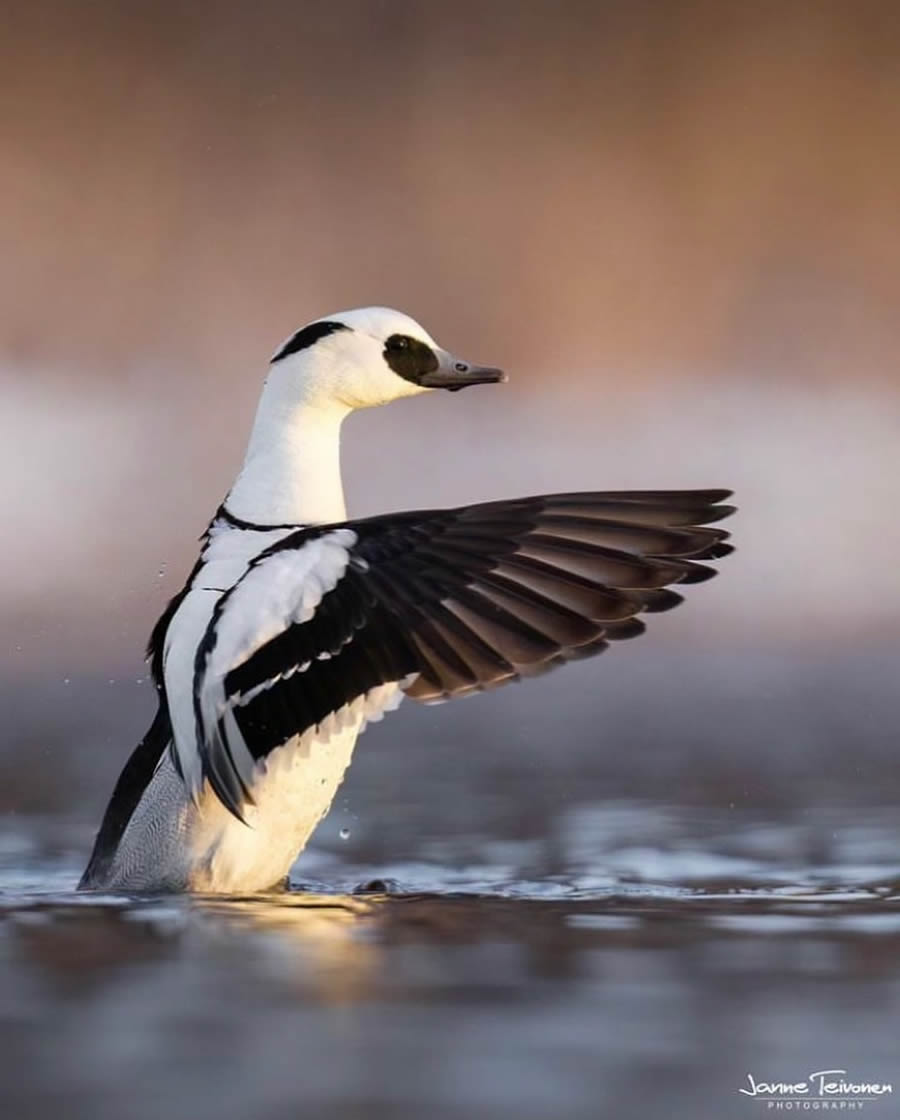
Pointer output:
x,y
409,357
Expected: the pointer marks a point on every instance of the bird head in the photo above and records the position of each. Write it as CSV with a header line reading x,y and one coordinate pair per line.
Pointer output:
x,y
370,356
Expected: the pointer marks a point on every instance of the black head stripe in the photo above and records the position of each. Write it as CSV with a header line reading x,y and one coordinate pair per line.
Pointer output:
x,y
409,357
308,336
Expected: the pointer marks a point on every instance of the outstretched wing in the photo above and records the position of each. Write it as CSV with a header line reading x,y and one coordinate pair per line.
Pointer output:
x,y
331,622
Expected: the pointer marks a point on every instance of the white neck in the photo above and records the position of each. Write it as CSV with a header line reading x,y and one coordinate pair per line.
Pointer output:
x,y
292,472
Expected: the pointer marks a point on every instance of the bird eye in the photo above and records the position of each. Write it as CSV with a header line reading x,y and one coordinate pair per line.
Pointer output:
x,y
402,343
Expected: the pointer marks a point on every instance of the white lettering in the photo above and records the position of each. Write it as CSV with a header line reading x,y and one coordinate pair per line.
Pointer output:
x,y
822,1089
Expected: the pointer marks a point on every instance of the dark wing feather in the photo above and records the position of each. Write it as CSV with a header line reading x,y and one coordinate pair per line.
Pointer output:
x,y
512,588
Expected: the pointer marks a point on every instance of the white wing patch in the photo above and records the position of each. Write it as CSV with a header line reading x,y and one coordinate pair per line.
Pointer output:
x,y
282,590
229,552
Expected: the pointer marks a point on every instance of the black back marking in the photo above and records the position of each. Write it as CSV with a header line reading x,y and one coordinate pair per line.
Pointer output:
x,y
157,641
223,513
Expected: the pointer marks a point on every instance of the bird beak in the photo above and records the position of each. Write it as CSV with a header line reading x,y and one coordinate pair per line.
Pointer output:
x,y
453,374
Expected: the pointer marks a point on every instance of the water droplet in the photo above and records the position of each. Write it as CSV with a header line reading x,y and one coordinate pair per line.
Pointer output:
x,y
111,681
138,680
18,649
66,680
344,833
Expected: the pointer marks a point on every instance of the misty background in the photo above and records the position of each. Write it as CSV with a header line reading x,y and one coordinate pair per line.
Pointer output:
x,y
675,225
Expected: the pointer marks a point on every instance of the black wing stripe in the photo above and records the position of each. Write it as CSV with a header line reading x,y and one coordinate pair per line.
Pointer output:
x,y
334,624
222,773
304,700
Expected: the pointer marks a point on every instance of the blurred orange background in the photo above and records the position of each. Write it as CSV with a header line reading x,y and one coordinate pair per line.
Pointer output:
x,y
674,224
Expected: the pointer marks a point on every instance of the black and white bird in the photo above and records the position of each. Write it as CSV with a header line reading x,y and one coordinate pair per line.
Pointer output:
x,y
297,626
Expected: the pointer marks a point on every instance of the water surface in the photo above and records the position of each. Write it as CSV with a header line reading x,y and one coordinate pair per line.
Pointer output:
x,y
634,979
